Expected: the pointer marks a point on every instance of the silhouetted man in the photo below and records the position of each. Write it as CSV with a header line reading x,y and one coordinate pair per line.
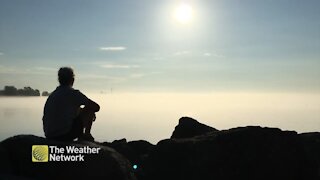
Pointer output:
x,y
63,119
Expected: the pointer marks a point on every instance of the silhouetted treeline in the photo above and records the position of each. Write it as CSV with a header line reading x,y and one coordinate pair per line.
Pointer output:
x,y
13,91
45,93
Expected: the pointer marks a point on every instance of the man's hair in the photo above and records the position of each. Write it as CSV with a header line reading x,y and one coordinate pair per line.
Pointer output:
x,y
65,76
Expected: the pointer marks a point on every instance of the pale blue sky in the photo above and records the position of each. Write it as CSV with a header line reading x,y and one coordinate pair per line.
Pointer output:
x,y
136,45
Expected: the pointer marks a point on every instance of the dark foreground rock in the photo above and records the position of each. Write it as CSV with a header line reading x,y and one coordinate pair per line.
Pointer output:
x,y
197,151
134,151
16,162
189,127
137,152
239,153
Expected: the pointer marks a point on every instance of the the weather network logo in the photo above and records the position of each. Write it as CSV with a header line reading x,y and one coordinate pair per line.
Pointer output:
x,y
45,153
40,153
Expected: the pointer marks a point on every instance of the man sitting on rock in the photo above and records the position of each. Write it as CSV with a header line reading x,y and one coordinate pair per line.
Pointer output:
x,y
63,118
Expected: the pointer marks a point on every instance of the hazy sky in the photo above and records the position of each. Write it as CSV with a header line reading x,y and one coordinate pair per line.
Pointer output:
x,y
138,45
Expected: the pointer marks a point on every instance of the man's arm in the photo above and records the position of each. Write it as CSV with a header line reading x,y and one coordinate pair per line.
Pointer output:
x,y
92,105
81,99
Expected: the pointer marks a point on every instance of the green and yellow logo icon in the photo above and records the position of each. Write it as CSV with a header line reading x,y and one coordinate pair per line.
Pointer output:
x,y
40,153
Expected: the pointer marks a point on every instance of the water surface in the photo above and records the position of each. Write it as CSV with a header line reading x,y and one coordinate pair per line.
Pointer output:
x,y
153,116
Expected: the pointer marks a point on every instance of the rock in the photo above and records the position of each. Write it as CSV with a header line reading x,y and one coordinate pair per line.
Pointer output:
x,y
311,145
107,164
135,151
241,153
189,127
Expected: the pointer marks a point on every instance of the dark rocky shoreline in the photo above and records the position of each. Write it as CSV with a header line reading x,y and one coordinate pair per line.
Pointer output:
x,y
194,151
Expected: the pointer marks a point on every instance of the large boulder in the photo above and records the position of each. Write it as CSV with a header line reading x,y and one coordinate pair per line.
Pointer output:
x,y
241,153
189,127
311,145
137,152
16,161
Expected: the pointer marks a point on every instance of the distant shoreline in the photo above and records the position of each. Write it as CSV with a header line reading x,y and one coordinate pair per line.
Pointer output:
x,y
1,95
26,91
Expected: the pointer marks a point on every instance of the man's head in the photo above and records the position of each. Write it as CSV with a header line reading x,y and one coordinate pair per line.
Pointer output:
x,y
66,76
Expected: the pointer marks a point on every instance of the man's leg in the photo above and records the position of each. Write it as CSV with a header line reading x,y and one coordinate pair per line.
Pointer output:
x,y
75,132
87,116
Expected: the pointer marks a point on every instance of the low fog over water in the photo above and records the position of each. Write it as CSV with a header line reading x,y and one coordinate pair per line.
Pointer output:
x,y
153,116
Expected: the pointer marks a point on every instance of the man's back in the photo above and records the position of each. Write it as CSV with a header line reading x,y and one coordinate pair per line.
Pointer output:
x,y
61,108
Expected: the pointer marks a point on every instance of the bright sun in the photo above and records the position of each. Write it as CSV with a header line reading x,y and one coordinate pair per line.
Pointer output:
x,y
183,13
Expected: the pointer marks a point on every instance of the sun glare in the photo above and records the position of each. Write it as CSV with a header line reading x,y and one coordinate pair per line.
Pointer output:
x,y
183,13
